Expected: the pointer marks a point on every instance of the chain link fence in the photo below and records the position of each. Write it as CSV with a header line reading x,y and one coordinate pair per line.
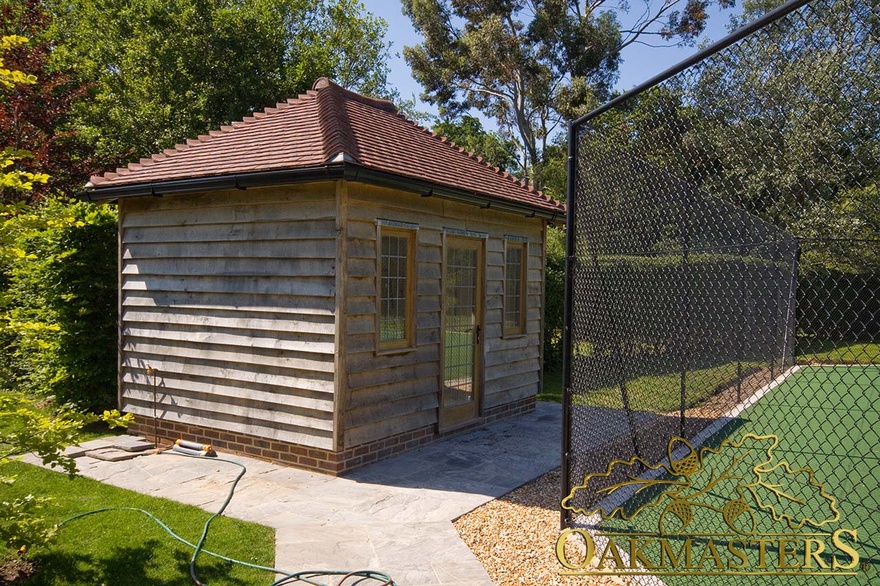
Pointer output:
x,y
724,280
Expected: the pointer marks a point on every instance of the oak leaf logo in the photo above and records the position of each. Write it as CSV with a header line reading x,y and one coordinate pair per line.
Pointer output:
x,y
691,479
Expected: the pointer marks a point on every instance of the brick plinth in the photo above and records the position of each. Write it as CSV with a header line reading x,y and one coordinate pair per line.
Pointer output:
x,y
320,460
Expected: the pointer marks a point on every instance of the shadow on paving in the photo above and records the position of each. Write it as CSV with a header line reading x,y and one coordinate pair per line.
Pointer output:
x,y
491,461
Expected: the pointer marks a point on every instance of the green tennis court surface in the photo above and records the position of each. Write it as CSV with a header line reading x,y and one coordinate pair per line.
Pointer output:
x,y
827,418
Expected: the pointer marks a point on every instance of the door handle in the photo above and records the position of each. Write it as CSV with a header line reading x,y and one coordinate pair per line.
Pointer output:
x,y
477,331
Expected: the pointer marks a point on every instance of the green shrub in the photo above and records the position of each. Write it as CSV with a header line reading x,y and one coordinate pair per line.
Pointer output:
x,y
28,428
554,300
59,307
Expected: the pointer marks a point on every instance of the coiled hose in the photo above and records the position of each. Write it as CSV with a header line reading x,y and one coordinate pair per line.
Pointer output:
x,y
307,576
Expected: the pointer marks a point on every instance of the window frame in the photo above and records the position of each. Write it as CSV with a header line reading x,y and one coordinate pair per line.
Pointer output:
x,y
408,232
514,243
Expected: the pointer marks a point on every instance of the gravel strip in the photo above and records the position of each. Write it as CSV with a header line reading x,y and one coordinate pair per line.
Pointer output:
x,y
514,537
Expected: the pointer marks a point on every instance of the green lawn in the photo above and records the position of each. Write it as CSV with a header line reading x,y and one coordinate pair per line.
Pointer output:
x,y
828,352
661,392
98,430
552,390
125,548
459,355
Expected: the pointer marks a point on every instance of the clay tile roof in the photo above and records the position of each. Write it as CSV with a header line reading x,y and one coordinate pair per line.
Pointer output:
x,y
329,126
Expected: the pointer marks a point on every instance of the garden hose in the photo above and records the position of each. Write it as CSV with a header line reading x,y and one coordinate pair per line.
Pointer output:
x,y
307,576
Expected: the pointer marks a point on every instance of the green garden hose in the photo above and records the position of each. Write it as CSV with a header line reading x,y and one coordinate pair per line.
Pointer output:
x,y
307,576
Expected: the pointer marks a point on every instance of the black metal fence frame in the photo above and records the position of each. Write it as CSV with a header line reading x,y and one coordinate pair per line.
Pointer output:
x,y
572,203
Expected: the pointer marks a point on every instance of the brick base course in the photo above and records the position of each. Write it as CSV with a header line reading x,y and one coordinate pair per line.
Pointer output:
x,y
317,459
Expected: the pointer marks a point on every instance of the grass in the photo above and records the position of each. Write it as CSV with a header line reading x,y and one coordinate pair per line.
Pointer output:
x,y
655,393
459,355
125,548
89,432
661,392
830,352
98,430
552,390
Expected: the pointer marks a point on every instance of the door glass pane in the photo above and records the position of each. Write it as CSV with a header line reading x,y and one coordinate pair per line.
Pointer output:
x,y
460,327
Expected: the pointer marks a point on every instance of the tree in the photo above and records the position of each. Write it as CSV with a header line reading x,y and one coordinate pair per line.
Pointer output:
x,y
468,133
554,296
848,228
784,124
534,64
167,70
60,308
25,426
28,428
36,116
12,178
800,98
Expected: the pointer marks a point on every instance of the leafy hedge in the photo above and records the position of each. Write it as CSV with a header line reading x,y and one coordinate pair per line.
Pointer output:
x,y
834,305
58,265
554,299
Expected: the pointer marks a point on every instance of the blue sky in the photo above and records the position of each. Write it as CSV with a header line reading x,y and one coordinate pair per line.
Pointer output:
x,y
639,62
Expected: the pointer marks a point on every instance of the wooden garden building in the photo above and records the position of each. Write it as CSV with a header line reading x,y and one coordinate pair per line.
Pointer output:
x,y
326,283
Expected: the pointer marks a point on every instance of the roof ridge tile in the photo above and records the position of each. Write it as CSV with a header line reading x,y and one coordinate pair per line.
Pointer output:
x,y
329,124
323,83
334,124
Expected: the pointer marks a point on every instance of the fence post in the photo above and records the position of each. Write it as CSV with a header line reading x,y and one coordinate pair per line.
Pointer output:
x,y
570,259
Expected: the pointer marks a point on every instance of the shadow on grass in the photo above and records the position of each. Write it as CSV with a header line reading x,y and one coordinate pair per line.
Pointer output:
x,y
126,565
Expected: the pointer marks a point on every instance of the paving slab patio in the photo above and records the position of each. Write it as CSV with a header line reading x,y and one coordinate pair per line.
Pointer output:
x,y
394,516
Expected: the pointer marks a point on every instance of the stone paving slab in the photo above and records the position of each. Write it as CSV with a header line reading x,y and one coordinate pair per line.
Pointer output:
x,y
132,443
111,454
393,516
74,451
97,444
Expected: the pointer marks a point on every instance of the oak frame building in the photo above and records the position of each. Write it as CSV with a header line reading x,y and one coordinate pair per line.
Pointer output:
x,y
325,284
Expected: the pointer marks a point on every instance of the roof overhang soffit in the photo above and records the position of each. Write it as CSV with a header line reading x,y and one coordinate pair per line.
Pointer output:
x,y
345,169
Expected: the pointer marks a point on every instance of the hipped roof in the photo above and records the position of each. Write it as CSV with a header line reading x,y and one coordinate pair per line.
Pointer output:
x,y
327,133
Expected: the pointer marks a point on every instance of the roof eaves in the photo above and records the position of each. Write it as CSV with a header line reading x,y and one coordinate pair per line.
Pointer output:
x,y
343,170
430,189
216,183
